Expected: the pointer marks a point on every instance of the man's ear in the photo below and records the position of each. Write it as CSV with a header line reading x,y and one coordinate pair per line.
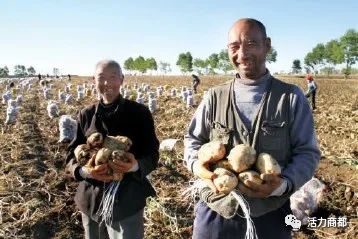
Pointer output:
x,y
268,44
121,79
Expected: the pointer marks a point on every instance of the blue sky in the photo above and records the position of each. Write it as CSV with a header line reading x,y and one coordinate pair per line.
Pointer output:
x,y
74,35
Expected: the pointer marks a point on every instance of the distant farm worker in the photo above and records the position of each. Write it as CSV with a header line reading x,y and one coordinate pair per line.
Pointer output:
x,y
69,77
272,117
196,82
311,90
113,115
39,76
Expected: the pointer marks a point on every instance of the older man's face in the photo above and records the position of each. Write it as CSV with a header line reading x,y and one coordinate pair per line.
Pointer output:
x,y
247,48
108,82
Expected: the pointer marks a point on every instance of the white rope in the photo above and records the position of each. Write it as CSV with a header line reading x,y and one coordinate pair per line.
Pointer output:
x,y
193,191
106,206
250,227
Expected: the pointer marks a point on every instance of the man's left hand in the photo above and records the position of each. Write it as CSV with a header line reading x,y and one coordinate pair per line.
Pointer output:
x,y
120,166
270,183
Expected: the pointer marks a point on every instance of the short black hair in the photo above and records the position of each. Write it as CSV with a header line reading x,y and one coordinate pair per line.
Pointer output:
x,y
259,24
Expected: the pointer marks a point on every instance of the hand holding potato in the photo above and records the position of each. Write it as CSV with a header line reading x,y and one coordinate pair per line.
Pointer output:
x,y
252,189
98,172
123,165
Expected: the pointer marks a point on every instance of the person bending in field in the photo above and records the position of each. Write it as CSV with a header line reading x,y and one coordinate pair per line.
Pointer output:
x,y
269,115
311,90
195,82
113,115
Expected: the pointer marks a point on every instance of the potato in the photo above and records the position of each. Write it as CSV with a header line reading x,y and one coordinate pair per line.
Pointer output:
x,y
267,164
223,163
201,170
250,175
211,152
83,153
118,155
226,180
95,140
103,156
241,157
117,143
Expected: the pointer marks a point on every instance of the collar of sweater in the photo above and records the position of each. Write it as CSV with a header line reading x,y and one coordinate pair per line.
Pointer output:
x,y
111,107
259,81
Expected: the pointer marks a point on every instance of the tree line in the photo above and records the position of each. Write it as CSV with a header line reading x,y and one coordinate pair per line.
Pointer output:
x,y
324,57
19,70
211,65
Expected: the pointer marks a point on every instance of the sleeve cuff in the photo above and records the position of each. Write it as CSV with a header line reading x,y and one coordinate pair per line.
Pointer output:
x,y
135,167
280,190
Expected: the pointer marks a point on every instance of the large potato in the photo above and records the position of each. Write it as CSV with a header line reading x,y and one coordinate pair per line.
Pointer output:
x,y
82,153
200,169
103,156
117,143
211,152
241,157
226,180
267,164
250,175
95,140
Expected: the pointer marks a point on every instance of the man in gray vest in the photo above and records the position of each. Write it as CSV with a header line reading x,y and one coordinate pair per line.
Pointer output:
x,y
273,117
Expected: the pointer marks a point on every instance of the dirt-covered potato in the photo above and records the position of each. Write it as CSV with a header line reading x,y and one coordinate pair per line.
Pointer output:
x,y
267,164
211,152
83,153
117,143
95,140
250,175
103,156
223,163
201,169
208,153
241,157
226,180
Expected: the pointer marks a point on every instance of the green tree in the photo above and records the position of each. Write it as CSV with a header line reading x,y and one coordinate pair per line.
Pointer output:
x,y
164,67
185,62
316,57
20,70
296,66
271,55
200,65
213,62
129,64
140,64
333,56
4,72
31,71
349,44
224,61
152,64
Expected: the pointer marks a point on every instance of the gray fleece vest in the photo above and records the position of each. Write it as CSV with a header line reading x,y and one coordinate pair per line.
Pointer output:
x,y
269,134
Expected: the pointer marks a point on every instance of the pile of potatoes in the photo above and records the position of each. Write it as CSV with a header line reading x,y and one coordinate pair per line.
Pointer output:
x,y
104,149
240,164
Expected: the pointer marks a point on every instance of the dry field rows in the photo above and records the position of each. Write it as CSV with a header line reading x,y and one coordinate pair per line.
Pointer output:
x,y
36,200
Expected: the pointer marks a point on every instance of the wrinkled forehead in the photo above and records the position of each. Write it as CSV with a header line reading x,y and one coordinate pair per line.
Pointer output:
x,y
107,70
241,31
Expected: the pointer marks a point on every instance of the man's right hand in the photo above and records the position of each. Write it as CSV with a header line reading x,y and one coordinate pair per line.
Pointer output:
x,y
203,173
98,172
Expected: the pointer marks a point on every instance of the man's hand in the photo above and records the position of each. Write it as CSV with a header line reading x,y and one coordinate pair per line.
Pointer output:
x,y
125,165
270,183
204,174
99,172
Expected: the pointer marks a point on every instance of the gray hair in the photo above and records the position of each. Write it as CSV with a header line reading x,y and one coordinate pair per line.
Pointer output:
x,y
111,64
